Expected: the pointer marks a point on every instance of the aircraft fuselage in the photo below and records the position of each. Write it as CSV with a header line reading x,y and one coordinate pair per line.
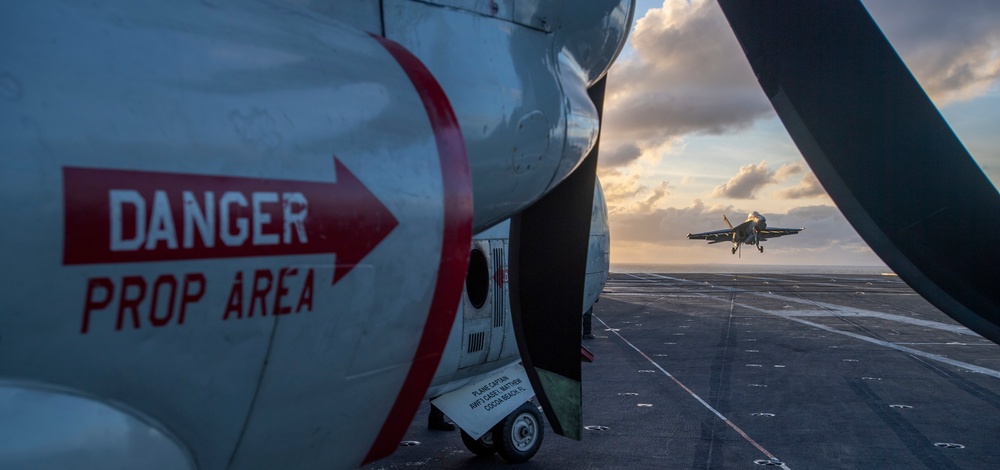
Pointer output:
x,y
748,232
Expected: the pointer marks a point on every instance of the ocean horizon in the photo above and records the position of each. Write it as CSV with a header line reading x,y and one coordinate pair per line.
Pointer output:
x,y
750,269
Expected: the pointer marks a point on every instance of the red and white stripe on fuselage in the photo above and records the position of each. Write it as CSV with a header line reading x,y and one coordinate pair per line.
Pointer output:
x,y
229,288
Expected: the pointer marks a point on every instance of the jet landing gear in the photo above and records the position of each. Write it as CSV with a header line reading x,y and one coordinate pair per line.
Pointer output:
x,y
516,438
734,250
761,248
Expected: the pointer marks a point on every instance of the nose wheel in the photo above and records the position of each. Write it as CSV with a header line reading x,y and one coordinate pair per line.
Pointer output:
x,y
482,446
734,250
761,248
519,435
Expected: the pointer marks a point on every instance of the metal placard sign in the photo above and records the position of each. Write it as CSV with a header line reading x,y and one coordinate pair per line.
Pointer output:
x,y
479,405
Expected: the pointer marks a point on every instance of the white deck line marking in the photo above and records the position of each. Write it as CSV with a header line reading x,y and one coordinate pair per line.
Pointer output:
x,y
859,312
915,352
695,395
840,310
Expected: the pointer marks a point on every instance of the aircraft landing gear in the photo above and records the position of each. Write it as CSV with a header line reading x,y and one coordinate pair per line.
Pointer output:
x,y
734,250
482,446
518,437
761,248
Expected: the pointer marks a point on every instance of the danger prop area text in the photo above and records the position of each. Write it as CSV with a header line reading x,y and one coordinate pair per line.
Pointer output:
x,y
119,216
136,302
270,219
116,216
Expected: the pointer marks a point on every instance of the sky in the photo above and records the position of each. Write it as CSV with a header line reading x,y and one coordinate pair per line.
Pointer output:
x,y
689,135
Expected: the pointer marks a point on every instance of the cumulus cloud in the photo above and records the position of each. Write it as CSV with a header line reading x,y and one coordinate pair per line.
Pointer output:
x,y
788,170
825,228
625,192
953,48
668,226
619,156
659,193
688,75
746,183
751,178
620,188
808,187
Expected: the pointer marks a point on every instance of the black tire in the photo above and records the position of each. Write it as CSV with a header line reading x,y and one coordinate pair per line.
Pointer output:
x,y
482,446
519,436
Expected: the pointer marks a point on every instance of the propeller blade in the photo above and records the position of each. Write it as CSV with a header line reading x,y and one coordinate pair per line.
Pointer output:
x,y
548,265
879,147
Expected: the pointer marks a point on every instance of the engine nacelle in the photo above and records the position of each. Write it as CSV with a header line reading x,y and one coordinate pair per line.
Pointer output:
x,y
240,220
522,139
60,429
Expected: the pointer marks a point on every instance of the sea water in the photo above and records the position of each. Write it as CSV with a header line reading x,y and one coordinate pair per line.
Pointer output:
x,y
749,269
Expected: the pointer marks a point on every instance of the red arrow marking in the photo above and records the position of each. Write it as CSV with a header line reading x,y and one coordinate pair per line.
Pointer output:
x,y
124,216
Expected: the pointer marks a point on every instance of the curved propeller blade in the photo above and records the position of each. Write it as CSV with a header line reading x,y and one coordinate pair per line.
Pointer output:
x,y
879,147
548,266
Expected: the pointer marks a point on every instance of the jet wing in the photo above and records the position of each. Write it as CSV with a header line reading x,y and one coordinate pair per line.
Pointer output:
x,y
716,236
777,232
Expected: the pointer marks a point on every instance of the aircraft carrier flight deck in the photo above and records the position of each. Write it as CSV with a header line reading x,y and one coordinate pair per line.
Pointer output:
x,y
747,371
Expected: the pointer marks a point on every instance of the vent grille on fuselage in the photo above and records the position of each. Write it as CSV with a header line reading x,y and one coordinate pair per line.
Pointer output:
x,y
499,299
477,341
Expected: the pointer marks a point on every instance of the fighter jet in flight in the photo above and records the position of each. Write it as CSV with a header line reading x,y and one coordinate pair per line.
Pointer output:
x,y
753,231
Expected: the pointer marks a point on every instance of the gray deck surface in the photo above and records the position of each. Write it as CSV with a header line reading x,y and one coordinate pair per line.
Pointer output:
x,y
817,371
